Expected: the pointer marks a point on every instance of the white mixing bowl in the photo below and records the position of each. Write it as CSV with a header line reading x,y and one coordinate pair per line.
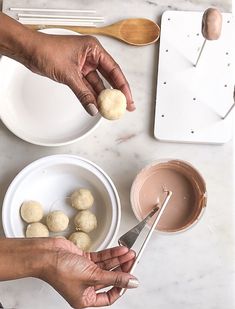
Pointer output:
x,y
51,180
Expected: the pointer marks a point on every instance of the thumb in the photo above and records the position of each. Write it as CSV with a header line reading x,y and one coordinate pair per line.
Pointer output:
x,y
84,95
117,279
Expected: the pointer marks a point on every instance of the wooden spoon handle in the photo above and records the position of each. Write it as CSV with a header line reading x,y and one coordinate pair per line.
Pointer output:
x,y
79,29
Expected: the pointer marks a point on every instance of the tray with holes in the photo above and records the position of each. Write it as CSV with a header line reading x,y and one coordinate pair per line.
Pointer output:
x,y
192,101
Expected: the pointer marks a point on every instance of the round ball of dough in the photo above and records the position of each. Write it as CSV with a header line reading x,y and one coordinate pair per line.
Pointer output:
x,y
111,103
57,221
82,199
31,211
37,229
80,239
85,221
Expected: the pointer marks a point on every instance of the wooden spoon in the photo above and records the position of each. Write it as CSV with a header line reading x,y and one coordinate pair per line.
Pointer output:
x,y
133,31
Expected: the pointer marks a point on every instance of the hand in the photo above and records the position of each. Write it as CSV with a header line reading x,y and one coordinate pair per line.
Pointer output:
x,y
74,61
78,276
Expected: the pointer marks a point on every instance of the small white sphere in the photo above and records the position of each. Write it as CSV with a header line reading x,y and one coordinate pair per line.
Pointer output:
x,y
31,211
37,229
80,239
82,199
57,221
112,104
85,221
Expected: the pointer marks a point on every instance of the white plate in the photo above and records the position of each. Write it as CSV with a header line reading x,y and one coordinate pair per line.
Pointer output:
x,y
39,110
50,180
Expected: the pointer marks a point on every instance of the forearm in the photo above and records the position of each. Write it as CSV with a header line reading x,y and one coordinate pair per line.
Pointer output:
x,y
21,258
15,39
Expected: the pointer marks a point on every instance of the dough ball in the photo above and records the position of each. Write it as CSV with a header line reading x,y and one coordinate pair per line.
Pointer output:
x,y
80,239
82,199
57,221
31,211
85,221
111,103
37,229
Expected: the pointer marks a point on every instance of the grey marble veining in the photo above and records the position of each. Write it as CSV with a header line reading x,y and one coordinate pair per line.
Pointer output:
x,y
194,269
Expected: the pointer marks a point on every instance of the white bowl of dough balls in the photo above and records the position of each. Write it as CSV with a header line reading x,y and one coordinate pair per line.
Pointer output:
x,y
63,196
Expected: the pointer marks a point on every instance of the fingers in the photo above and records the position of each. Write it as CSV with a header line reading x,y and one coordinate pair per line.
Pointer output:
x,y
107,298
116,261
125,267
84,93
95,81
89,86
114,75
116,279
108,254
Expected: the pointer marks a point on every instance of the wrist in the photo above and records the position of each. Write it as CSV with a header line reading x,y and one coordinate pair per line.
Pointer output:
x,y
20,258
16,40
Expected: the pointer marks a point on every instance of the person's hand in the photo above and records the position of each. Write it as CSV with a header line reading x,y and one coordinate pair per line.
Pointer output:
x,y
69,59
76,61
78,276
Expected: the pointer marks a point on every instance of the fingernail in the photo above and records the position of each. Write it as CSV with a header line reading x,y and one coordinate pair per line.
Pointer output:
x,y
91,109
133,283
132,106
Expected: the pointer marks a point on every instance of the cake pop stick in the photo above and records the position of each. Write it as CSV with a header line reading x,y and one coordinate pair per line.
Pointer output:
x,y
211,27
232,107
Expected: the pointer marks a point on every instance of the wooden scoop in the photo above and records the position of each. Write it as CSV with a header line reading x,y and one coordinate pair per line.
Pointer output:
x,y
133,31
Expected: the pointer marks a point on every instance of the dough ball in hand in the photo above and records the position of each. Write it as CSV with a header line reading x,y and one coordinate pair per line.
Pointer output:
x,y
80,239
31,211
37,229
82,199
111,104
85,221
57,221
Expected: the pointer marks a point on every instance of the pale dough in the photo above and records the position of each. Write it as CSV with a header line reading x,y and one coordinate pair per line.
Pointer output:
x,y
111,104
31,211
57,221
82,199
80,239
85,221
37,229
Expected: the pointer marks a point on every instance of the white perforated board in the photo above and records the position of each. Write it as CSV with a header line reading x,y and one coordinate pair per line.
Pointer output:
x,y
191,101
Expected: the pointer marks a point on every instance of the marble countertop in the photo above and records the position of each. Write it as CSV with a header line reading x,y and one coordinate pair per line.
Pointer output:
x,y
193,269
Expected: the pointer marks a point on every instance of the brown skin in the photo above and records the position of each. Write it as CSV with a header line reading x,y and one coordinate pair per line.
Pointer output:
x,y
71,60
76,275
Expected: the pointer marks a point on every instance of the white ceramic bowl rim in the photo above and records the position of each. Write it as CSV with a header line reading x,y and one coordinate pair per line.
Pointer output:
x,y
64,158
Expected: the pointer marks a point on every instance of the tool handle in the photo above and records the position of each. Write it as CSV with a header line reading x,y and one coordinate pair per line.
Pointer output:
x,y
157,219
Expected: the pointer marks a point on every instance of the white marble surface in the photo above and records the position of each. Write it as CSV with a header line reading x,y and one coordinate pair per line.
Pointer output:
x,y
194,269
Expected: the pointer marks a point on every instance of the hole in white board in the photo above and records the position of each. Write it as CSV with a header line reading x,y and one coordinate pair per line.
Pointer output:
x,y
164,83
